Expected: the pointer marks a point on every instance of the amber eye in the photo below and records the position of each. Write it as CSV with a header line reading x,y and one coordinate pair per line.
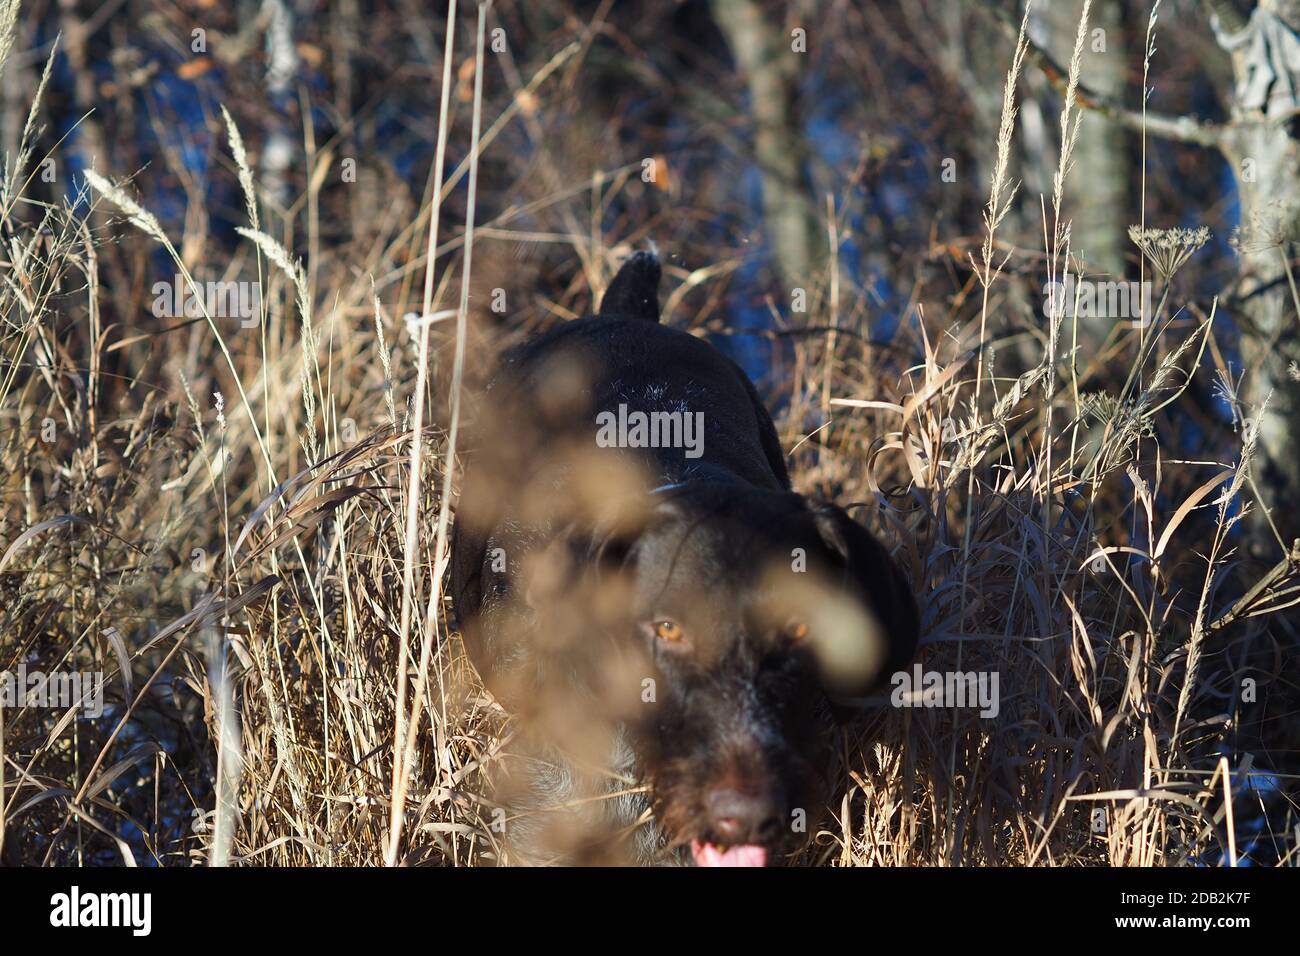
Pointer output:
x,y
669,631
796,630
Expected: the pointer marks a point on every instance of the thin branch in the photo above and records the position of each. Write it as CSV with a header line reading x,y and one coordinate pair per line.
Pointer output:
x,y
1183,129
1248,601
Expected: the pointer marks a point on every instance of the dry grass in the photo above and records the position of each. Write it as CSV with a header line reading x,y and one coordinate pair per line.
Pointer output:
x,y
261,591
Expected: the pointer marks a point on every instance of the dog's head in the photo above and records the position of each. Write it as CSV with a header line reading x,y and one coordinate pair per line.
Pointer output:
x,y
755,614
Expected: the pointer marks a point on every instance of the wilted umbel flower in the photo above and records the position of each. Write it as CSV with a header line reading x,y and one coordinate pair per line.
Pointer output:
x,y
1229,390
1168,249
1269,228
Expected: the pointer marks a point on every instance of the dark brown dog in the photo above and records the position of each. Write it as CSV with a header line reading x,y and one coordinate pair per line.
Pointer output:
x,y
635,579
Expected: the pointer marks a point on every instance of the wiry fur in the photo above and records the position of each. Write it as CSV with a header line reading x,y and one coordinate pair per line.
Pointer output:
x,y
566,554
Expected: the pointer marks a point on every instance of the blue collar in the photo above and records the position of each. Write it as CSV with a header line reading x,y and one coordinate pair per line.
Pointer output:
x,y
673,486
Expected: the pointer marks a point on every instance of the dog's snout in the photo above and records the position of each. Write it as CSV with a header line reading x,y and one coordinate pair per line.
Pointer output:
x,y
741,817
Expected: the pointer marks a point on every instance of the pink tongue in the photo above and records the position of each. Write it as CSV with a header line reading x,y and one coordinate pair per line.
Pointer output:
x,y
706,854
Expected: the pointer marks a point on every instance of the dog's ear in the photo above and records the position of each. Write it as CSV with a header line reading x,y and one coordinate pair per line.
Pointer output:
x,y
879,582
635,290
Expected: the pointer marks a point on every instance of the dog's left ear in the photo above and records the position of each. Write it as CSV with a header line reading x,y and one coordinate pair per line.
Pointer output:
x,y
878,579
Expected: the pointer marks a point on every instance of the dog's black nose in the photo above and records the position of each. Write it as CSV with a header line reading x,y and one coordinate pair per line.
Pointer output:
x,y
740,817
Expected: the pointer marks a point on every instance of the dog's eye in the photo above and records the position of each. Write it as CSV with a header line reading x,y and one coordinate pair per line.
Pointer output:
x,y
796,630
667,630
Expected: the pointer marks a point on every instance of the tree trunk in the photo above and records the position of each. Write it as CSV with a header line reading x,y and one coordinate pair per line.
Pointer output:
x,y
1104,155
763,54
1265,158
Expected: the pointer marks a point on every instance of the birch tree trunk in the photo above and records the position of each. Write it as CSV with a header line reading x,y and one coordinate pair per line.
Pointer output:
x,y
1262,147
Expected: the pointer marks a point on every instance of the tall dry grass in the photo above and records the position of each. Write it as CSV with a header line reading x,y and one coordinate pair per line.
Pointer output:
x,y
254,559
